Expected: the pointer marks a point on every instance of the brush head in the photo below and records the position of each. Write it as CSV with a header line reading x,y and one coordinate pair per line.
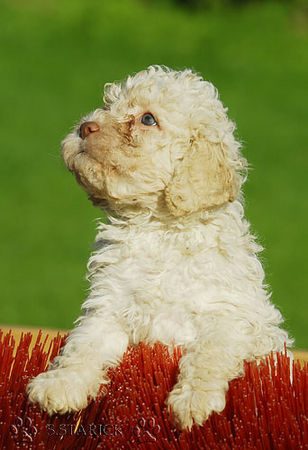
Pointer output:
x,y
264,409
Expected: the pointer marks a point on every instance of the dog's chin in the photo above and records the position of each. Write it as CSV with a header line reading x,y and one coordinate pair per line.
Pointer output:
x,y
100,185
88,173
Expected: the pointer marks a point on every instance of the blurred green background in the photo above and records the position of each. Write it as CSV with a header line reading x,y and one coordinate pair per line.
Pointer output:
x,y
56,56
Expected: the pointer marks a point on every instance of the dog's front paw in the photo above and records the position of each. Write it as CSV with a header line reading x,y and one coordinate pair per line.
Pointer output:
x,y
189,406
61,390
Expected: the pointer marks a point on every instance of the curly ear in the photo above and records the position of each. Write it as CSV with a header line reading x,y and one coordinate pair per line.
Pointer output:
x,y
202,179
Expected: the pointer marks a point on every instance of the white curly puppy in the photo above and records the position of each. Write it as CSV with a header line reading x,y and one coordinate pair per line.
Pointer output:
x,y
176,262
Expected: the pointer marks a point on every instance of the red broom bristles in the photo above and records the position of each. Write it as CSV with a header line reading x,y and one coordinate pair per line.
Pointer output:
x,y
264,409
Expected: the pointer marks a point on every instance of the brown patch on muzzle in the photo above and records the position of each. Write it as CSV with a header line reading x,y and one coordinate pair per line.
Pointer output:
x,y
111,140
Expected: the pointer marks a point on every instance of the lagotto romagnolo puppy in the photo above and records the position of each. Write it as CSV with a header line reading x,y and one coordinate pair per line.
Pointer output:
x,y
176,262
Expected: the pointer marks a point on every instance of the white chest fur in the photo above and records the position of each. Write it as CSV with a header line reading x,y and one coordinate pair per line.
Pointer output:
x,y
163,282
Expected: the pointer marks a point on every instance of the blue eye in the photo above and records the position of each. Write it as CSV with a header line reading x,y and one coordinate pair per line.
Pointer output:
x,y
148,119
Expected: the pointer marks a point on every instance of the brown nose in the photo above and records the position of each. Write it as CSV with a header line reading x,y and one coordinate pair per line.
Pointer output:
x,y
87,128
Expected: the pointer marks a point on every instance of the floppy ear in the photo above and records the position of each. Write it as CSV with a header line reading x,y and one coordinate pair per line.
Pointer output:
x,y
202,179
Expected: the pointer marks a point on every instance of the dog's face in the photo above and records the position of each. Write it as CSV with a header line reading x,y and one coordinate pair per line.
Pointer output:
x,y
161,142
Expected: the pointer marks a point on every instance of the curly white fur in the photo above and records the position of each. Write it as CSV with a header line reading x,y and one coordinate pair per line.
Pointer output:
x,y
176,262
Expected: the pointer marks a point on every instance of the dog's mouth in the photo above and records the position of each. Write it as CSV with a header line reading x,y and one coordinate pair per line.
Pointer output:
x,y
94,154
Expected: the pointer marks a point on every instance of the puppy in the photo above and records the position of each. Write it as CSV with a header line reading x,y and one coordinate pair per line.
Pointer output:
x,y
176,262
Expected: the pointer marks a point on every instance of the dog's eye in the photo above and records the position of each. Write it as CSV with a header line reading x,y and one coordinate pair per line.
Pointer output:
x,y
148,119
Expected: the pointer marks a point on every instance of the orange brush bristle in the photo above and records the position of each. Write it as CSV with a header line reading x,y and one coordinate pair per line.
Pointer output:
x,y
264,409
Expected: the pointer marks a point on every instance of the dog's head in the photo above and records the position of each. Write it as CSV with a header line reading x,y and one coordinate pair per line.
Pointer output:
x,y
162,142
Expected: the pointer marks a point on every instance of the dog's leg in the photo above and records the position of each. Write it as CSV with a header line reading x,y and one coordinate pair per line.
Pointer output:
x,y
205,370
76,374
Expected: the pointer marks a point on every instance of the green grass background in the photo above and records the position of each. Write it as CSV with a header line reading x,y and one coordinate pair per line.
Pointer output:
x,y
55,58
